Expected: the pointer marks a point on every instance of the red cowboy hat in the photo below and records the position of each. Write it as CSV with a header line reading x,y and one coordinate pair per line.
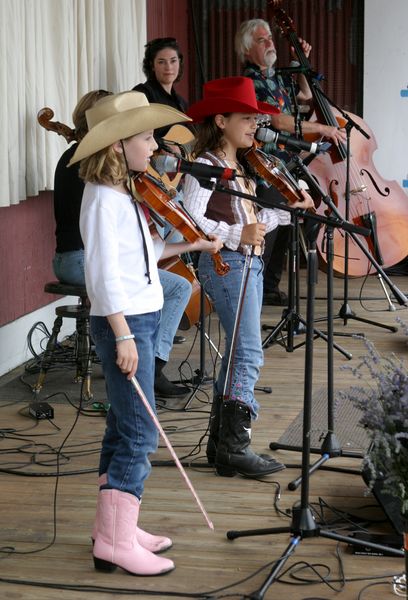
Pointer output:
x,y
226,95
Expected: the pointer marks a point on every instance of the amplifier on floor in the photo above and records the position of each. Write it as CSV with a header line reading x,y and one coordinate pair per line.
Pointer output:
x,y
390,504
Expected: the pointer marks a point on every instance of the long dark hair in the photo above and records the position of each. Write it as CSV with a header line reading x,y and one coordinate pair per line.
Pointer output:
x,y
209,139
151,50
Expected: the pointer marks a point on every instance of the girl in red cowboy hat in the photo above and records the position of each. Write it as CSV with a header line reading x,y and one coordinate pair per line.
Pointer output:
x,y
123,286
228,117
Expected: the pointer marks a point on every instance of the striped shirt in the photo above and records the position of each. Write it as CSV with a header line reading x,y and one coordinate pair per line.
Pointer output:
x,y
223,214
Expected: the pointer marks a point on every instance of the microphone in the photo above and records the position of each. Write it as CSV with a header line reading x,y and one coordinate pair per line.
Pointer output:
x,y
263,134
170,164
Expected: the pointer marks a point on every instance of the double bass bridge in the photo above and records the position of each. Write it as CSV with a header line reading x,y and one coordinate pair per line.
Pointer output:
x,y
359,190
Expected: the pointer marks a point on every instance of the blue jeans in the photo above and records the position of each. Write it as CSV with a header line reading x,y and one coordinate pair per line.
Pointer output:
x,y
248,355
130,434
69,267
177,292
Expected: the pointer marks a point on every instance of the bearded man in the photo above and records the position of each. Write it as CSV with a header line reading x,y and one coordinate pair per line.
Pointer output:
x,y
256,49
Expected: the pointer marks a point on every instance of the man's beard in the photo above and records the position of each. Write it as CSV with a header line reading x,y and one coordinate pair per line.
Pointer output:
x,y
270,58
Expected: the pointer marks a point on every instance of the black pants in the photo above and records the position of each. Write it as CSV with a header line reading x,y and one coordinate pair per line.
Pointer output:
x,y
276,242
276,246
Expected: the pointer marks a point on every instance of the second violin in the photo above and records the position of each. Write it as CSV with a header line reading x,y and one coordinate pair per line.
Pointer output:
x,y
273,170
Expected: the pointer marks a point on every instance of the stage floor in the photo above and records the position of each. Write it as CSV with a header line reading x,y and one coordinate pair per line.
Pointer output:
x,y
48,526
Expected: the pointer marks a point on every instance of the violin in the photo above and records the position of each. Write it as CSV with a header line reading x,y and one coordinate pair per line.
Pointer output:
x,y
152,192
44,117
384,211
273,170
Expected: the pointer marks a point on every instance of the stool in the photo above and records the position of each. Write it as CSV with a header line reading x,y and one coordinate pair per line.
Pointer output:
x,y
80,312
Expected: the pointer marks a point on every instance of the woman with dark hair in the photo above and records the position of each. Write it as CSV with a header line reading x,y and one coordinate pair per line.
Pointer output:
x,y
163,67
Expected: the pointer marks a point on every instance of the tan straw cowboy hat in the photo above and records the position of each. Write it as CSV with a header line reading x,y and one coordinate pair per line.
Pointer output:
x,y
120,116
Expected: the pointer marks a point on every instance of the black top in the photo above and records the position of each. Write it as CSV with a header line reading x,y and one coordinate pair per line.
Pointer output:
x,y
155,92
68,190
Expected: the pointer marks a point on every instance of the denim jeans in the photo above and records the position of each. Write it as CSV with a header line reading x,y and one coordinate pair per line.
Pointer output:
x,y
130,434
176,292
248,355
69,267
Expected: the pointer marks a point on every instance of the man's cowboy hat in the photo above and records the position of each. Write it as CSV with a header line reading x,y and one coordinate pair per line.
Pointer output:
x,y
120,116
226,95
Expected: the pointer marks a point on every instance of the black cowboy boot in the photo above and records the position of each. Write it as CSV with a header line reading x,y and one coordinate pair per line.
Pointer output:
x,y
234,454
213,431
163,387
213,427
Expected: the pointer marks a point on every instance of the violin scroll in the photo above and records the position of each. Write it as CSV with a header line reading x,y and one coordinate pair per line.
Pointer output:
x,y
44,117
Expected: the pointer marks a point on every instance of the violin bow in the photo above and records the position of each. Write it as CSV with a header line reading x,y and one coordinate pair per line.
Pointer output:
x,y
180,467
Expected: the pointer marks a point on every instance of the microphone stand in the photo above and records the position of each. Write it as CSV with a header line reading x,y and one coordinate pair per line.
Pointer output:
x,y
305,174
291,319
330,447
296,111
303,524
201,376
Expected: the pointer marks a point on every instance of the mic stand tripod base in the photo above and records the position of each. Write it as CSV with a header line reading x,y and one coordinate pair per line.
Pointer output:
x,y
346,313
303,526
303,523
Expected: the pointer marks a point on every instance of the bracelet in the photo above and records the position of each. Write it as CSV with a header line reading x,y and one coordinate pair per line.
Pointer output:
x,y
122,338
294,63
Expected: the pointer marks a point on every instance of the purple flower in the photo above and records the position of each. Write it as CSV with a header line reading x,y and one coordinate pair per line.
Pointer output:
x,y
384,416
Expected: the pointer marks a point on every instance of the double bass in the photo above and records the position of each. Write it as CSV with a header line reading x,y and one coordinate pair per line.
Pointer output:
x,y
373,202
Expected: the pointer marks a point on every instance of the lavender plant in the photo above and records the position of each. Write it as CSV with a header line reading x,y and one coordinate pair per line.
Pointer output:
x,y
384,415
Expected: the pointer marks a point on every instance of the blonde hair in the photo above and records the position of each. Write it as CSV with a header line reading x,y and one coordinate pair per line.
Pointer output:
x,y
106,166
79,117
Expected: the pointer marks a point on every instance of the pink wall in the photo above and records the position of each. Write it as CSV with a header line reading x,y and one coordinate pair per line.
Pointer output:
x,y
27,246
27,230
171,19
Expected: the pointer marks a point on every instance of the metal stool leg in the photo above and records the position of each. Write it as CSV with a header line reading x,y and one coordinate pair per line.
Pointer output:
x,y
83,358
47,358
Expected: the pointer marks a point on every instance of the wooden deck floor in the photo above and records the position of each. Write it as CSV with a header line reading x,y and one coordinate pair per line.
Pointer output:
x,y
48,526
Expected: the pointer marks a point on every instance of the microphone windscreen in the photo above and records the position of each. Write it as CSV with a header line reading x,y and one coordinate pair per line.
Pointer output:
x,y
165,164
263,134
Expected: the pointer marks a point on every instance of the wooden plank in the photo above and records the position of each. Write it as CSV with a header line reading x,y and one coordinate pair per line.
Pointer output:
x,y
205,560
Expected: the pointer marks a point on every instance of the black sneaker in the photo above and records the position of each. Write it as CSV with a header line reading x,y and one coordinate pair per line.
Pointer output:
x,y
275,298
166,389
